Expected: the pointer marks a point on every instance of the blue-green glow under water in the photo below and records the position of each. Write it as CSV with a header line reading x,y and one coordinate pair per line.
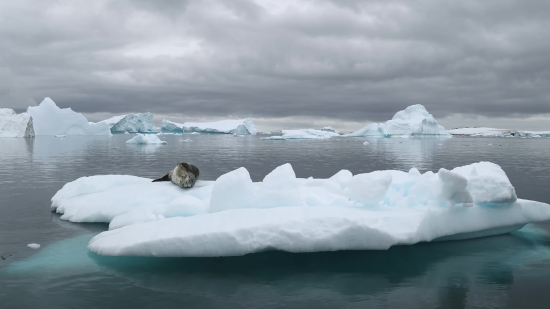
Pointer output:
x,y
508,271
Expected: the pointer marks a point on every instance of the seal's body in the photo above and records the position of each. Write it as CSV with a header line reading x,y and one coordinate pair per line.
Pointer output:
x,y
184,175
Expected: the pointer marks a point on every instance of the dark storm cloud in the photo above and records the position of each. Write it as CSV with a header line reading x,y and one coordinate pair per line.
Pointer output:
x,y
351,60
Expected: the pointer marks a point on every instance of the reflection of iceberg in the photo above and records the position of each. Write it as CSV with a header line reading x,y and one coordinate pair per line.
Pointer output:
x,y
132,123
467,274
484,269
303,134
234,216
229,126
49,119
413,121
15,125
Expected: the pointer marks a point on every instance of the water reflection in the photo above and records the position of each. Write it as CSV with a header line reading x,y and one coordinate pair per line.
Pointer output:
x,y
451,274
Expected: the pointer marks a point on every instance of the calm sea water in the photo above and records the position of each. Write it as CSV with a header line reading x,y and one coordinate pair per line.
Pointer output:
x,y
509,271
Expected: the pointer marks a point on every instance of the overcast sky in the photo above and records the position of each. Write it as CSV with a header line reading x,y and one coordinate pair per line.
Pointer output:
x,y
286,64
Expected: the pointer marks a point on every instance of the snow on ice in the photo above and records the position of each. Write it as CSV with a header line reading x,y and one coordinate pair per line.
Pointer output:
x,y
15,125
145,139
229,126
235,216
49,119
413,121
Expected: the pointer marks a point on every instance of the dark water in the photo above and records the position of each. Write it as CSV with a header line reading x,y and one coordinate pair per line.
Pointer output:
x,y
510,271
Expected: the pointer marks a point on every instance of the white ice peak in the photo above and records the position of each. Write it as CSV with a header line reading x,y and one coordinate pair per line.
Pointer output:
x,y
49,119
415,120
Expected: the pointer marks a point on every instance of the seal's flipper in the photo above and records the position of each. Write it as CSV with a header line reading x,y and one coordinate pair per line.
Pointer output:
x,y
163,178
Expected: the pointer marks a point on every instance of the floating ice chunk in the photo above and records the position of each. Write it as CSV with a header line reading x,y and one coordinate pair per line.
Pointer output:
x,y
186,140
49,119
413,121
145,139
303,134
233,215
60,136
310,229
33,246
15,125
229,126
232,190
132,123
365,143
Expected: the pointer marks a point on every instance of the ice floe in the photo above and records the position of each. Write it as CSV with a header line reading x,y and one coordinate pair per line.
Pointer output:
x,y
413,121
132,123
145,139
229,126
33,246
15,125
235,216
303,134
49,119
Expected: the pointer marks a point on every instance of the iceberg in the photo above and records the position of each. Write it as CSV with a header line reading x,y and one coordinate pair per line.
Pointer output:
x,y
481,131
413,121
532,133
15,125
493,132
145,139
132,123
229,126
49,119
303,134
235,216
328,129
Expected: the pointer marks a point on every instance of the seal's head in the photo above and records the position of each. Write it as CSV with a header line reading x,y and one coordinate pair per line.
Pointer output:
x,y
183,167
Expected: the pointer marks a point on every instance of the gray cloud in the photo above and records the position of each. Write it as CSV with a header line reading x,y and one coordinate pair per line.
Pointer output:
x,y
346,60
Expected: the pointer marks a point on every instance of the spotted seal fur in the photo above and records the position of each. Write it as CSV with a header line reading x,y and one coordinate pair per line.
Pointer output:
x,y
184,175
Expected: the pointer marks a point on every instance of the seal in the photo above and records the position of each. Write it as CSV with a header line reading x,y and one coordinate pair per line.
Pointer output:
x,y
184,175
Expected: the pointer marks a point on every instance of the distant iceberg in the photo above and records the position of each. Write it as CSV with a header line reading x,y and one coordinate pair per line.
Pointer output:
x,y
145,139
532,133
235,216
413,121
229,126
493,132
132,123
15,125
481,131
328,129
303,134
49,119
